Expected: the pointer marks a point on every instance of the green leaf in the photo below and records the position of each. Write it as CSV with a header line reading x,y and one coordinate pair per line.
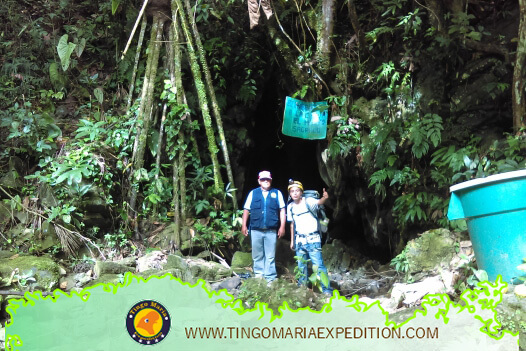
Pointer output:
x,y
55,76
153,142
66,218
324,278
320,108
481,275
53,131
65,50
99,95
81,45
114,5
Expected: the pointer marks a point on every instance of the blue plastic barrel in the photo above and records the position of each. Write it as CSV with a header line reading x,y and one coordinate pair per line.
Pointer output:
x,y
495,211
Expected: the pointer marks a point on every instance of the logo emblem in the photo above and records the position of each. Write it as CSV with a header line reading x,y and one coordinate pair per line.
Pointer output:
x,y
148,322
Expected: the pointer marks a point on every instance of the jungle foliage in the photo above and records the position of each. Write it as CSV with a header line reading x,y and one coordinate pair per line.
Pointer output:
x,y
73,113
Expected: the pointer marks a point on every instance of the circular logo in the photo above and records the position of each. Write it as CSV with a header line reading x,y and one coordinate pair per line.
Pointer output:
x,y
148,322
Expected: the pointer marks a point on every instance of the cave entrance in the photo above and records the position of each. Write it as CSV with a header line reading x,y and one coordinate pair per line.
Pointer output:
x,y
285,157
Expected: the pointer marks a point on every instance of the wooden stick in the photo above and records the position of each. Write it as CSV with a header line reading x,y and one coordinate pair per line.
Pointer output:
x,y
134,28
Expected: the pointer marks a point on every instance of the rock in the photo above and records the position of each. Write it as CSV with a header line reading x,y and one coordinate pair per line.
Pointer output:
x,y
511,312
68,282
110,278
82,279
336,256
45,273
192,269
255,289
241,260
432,249
229,284
520,291
152,260
129,261
411,294
109,267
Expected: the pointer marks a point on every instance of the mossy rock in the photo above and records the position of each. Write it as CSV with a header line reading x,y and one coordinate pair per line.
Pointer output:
x,y
43,269
280,291
192,269
431,250
105,279
206,270
165,238
511,312
175,272
336,257
241,260
175,261
109,267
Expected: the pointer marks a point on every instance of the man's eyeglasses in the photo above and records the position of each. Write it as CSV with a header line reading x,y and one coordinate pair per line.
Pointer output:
x,y
266,179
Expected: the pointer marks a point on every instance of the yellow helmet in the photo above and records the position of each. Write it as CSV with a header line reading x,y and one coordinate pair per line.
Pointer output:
x,y
293,183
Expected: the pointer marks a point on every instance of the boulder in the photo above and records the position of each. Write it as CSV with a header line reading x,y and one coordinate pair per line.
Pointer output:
x,y
30,272
109,267
193,269
152,260
230,285
337,257
511,313
411,294
431,250
109,278
241,260
255,290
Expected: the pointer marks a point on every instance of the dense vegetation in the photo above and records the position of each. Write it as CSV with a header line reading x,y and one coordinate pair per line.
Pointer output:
x,y
103,149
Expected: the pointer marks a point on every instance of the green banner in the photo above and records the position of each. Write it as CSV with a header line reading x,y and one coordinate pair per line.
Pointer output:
x,y
163,313
306,120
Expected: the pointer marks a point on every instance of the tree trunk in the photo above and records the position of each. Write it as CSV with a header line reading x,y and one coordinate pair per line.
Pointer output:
x,y
181,100
201,93
144,115
519,74
215,105
436,15
178,177
158,152
353,15
325,29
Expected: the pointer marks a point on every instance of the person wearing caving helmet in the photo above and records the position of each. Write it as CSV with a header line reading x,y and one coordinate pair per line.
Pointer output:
x,y
305,238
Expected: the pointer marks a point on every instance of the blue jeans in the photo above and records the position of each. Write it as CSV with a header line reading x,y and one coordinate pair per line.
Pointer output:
x,y
264,252
312,251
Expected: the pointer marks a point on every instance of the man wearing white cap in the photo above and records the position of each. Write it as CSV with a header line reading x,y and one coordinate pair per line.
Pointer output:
x,y
266,207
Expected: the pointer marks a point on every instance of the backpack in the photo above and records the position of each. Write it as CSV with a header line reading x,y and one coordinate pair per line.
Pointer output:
x,y
319,214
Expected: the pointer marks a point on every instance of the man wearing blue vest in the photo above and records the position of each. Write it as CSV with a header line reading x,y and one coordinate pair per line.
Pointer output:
x,y
266,207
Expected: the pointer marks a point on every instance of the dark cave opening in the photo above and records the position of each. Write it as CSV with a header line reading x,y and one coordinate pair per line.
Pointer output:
x,y
287,157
